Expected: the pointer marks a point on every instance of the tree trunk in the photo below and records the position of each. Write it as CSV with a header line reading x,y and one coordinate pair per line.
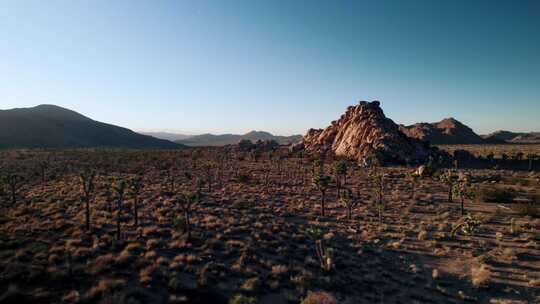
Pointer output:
x,y
322,203
118,221
13,195
87,201
450,198
187,228
462,206
136,211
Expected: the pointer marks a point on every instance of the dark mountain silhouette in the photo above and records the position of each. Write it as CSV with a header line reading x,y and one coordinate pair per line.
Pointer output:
x,y
447,131
231,139
49,126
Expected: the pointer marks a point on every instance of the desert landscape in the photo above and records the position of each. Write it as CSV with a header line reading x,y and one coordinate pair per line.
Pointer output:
x,y
260,223
269,152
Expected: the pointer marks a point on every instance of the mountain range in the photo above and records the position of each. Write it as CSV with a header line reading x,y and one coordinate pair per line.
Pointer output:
x,y
512,137
50,126
450,131
230,139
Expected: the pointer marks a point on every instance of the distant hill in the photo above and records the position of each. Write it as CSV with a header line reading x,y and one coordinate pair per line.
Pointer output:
x,y
49,126
512,137
447,131
230,139
167,135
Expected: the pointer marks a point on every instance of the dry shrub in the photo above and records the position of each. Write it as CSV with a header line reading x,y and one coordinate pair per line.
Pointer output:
x,y
527,209
104,286
319,297
101,263
251,284
495,195
480,275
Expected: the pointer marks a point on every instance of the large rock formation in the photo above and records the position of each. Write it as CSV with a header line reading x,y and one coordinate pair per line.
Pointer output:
x,y
446,131
365,134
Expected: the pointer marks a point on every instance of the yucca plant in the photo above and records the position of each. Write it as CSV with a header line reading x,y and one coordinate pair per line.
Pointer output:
x,y
87,190
120,190
468,225
135,187
185,201
321,182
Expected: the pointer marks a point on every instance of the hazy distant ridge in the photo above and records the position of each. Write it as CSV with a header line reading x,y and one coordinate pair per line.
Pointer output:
x,y
230,139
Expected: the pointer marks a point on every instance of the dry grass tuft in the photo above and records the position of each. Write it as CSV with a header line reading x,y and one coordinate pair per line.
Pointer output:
x,y
319,297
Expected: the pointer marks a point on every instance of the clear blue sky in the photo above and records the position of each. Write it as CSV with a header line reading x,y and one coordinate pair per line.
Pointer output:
x,y
280,66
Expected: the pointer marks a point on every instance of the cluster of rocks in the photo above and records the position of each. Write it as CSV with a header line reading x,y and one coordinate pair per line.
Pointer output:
x,y
365,134
246,145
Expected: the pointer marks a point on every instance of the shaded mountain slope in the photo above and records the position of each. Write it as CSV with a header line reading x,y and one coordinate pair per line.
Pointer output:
x,y
49,126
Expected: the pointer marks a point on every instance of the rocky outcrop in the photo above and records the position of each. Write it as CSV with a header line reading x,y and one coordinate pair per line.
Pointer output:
x,y
365,134
447,131
247,145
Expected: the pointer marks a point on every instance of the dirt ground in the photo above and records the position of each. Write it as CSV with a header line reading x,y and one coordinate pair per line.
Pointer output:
x,y
252,232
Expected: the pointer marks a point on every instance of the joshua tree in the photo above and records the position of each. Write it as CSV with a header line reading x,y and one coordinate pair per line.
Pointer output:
x,y
324,254
120,189
448,179
135,187
340,174
378,179
87,180
13,181
43,165
185,201
209,176
462,189
414,177
490,157
350,201
2,184
195,156
322,182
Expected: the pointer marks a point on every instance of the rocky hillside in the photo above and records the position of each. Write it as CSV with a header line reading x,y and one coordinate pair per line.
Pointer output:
x,y
49,126
447,131
231,139
365,134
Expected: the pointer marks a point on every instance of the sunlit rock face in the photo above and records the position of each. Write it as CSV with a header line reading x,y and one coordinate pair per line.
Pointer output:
x,y
364,133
